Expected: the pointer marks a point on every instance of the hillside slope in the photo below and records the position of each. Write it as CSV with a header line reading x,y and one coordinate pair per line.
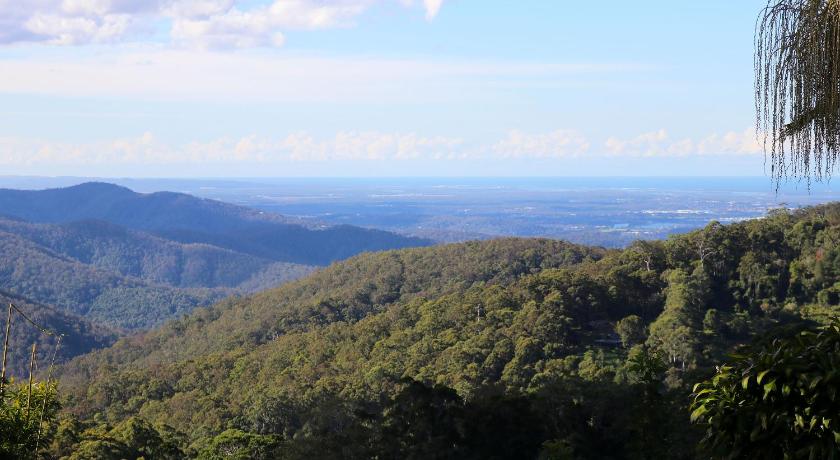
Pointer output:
x,y
351,290
132,253
533,317
80,336
188,219
44,276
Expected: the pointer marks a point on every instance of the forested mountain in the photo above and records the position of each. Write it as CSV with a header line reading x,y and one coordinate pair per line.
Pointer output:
x,y
133,260
45,276
480,349
113,203
352,290
138,254
188,219
80,335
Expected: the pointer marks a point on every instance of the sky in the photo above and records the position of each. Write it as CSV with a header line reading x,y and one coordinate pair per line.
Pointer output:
x,y
258,88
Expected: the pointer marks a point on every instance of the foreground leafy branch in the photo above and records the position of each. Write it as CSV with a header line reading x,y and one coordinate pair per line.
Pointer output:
x,y
25,418
778,401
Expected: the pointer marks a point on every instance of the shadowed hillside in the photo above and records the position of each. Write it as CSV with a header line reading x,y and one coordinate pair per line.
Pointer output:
x,y
45,276
137,254
80,336
592,351
188,219
133,260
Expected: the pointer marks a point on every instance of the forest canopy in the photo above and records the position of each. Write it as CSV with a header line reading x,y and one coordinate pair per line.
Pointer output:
x,y
596,352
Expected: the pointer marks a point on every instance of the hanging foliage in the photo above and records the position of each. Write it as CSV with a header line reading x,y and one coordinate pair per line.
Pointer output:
x,y
797,86
776,400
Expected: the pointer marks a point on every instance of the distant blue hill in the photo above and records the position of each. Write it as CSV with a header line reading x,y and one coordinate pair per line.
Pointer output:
x,y
188,219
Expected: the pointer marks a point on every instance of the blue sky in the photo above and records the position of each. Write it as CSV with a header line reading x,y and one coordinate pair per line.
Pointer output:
x,y
183,88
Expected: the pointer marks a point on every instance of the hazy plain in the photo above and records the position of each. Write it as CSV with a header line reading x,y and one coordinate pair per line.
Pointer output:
x,y
605,211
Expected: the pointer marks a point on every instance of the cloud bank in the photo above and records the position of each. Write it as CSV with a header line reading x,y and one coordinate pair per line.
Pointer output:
x,y
202,23
146,71
659,143
369,146
556,144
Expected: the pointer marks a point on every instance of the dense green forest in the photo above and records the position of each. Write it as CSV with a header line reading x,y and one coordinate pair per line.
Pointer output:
x,y
80,335
472,350
132,253
98,279
47,277
187,219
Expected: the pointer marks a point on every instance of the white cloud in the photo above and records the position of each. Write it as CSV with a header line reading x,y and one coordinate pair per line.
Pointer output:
x,y
193,9
365,146
368,145
204,23
63,30
432,7
146,149
261,26
734,143
556,144
151,72
659,143
647,144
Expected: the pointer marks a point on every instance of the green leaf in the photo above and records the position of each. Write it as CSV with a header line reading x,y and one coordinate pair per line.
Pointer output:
x,y
768,388
761,375
697,413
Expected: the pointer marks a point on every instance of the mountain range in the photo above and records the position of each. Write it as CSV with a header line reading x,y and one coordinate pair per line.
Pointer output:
x,y
539,347
137,254
187,219
219,337
110,261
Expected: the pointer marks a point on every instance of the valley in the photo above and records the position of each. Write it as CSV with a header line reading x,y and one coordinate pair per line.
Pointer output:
x,y
96,256
329,362
419,229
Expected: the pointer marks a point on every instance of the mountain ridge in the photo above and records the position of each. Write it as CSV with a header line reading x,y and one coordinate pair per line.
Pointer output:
x,y
189,219
49,277
563,326
134,260
142,255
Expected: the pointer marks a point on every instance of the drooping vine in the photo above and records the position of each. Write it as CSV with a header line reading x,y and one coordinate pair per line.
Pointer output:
x,y
797,87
